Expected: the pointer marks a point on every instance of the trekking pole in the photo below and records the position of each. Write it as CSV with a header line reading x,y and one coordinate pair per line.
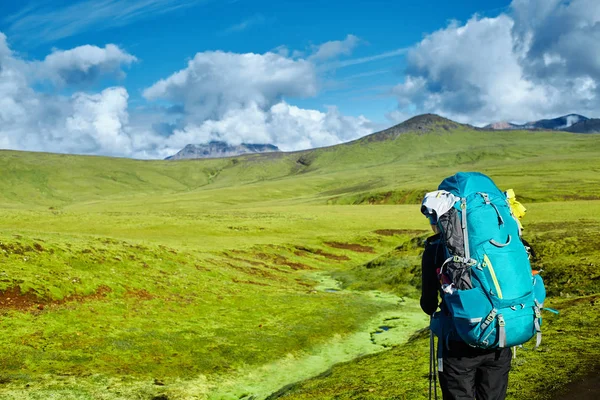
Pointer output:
x,y
434,357
435,378
431,361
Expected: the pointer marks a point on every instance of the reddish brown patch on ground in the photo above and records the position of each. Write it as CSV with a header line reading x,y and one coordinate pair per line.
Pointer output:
x,y
249,282
331,256
257,263
99,294
251,262
301,283
253,271
359,248
13,299
303,250
392,232
140,294
296,266
16,248
280,260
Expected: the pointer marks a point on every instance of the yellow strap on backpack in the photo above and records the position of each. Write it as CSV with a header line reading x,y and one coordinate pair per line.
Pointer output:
x,y
517,208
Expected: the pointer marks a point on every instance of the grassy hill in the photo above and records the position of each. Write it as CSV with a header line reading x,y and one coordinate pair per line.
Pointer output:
x,y
394,161
231,278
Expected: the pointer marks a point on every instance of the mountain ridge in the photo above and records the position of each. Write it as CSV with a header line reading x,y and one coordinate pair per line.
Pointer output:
x,y
220,149
590,125
562,123
419,123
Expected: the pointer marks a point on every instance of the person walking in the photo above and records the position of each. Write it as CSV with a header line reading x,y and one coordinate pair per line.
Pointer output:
x,y
466,372
491,300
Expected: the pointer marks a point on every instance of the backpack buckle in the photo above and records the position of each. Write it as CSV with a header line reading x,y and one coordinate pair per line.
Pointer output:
x,y
485,196
490,317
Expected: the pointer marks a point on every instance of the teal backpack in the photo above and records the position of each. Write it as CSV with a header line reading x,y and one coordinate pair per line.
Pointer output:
x,y
490,297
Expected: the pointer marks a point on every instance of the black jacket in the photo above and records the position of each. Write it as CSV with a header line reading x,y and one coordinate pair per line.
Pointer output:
x,y
433,258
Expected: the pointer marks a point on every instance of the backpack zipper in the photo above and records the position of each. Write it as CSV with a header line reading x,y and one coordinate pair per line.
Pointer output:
x,y
488,263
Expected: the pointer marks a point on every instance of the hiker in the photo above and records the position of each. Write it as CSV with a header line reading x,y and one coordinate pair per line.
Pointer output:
x,y
466,370
490,301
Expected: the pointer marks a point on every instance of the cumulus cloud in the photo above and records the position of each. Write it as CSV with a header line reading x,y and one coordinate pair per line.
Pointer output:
x,y
82,123
215,82
98,120
84,64
538,61
561,37
241,98
287,126
15,94
218,96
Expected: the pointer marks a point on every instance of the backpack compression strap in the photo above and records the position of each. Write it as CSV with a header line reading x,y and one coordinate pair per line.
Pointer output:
x,y
463,207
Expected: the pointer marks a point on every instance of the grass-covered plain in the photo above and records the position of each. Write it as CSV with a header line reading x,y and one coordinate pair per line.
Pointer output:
x,y
232,278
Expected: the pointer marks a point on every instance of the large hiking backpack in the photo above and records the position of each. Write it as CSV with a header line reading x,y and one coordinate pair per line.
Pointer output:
x,y
490,297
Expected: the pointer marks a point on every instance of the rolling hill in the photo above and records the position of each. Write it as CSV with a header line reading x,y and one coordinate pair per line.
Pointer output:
x,y
382,164
234,278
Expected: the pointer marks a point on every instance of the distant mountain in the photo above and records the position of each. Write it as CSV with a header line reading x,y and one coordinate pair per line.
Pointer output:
x,y
420,123
591,125
502,125
557,124
217,149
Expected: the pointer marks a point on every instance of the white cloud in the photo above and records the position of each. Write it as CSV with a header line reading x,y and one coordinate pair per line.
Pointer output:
x,y
84,64
98,121
223,96
335,48
540,61
215,82
567,33
15,94
289,127
240,98
83,123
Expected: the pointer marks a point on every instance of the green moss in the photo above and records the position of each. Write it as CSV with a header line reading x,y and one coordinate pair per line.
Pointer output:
x,y
135,279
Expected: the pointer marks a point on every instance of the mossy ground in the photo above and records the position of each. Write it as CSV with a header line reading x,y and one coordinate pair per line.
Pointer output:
x,y
567,253
124,279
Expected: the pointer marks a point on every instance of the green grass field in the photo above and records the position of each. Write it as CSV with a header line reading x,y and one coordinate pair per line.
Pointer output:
x,y
234,278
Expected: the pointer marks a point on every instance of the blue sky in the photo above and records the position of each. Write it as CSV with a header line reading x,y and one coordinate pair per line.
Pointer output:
x,y
322,72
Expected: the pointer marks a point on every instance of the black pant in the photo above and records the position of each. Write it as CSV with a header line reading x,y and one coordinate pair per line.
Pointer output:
x,y
470,373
